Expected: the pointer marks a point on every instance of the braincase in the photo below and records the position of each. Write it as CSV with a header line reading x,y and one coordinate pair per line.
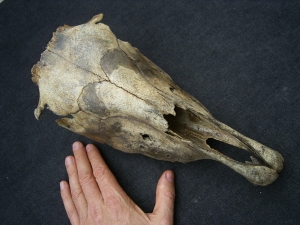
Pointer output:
x,y
80,55
83,45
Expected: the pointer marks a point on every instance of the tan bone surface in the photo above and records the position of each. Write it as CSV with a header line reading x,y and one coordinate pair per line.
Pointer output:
x,y
115,95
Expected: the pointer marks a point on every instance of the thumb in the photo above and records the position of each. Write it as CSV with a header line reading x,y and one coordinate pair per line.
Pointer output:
x,y
165,196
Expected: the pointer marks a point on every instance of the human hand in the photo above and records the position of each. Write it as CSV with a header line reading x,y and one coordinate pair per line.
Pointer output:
x,y
95,197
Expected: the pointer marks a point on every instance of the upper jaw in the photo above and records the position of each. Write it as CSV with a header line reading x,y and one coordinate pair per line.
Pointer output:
x,y
198,128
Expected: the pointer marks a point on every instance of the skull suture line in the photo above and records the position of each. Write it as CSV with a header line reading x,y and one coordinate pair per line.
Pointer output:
x,y
117,96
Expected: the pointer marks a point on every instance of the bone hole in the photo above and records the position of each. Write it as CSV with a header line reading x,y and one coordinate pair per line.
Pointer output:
x,y
179,124
229,150
172,89
145,136
176,123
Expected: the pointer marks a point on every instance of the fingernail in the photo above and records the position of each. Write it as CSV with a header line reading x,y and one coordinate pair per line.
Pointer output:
x,y
75,146
69,161
170,176
88,148
62,185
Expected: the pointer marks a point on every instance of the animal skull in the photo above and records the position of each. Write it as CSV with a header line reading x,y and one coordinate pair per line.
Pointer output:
x,y
115,95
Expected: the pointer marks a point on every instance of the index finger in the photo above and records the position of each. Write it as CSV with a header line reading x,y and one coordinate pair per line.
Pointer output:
x,y
104,177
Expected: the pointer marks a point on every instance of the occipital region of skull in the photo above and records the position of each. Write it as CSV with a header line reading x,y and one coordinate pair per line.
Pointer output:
x,y
115,95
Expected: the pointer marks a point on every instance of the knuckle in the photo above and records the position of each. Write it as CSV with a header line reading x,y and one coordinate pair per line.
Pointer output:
x,y
78,156
71,213
92,155
76,194
64,196
95,214
85,177
170,195
71,169
112,202
99,171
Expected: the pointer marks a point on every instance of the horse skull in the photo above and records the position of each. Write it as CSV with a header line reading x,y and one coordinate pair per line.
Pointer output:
x,y
115,95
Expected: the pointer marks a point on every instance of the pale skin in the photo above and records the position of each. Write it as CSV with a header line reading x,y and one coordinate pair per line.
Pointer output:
x,y
93,195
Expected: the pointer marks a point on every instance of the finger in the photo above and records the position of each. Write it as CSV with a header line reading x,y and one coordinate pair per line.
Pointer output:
x,y
85,175
165,197
76,191
104,177
66,196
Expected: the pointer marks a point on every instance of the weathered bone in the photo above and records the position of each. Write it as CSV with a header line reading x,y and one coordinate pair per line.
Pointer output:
x,y
117,96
